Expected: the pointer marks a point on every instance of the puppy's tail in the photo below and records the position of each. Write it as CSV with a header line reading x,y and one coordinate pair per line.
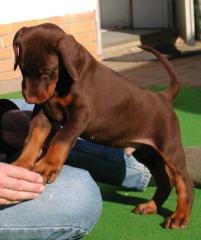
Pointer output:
x,y
174,87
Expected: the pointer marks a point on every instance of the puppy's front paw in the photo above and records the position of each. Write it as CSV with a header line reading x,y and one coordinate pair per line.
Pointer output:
x,y
23,162
48,170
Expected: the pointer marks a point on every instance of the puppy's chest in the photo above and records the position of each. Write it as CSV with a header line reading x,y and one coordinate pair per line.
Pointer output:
x,y
55,111
57,108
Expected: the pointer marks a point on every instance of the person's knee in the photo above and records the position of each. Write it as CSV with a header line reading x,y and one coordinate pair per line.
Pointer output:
x,y
14,127
79,201
85,205
68,209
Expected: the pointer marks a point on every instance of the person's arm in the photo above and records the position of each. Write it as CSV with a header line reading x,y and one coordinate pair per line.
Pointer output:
x,y
18,184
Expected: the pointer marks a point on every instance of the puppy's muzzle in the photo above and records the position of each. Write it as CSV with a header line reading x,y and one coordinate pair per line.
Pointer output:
x,y
39,99
37,94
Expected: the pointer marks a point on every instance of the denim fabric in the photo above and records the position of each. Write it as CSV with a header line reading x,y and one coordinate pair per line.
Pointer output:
x,y
109,165
67,209
22,104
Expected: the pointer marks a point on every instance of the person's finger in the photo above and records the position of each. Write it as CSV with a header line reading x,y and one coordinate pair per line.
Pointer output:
x,y
22,185
129,151
4,201
15,196
24,174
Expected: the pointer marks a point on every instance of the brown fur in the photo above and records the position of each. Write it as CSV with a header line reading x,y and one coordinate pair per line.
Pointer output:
x,y
68,86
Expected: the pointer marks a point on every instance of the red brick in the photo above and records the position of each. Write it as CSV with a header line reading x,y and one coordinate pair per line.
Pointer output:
x,y
5,29
18,25
91,47
7,40
7,75
6,65
59,20
1,42
82,37
82,17
6,52
66,28
82,27
93,36
86,36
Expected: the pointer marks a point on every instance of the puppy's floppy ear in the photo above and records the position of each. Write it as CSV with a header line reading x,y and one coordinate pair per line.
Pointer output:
x,y
72,55
16,45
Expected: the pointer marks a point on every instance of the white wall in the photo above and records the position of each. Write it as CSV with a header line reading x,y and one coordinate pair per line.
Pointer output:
x,y
22,10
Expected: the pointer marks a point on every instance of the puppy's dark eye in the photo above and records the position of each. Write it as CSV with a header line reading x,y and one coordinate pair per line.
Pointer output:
x,y
48,74
45,77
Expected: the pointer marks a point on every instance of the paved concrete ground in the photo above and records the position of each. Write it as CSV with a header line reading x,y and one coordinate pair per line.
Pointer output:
x,y
122,36
143,68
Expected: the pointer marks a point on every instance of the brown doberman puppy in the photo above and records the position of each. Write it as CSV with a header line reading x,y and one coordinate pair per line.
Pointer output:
x,y
69,87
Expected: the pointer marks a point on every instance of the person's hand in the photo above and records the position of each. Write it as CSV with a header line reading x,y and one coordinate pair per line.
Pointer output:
x,y
18,184
129,151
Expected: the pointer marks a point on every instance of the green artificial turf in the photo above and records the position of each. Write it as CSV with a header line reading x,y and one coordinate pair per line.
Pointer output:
x,y
188,109
13,95
117,221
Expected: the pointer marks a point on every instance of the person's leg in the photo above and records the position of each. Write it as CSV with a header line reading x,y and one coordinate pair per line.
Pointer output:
x,y
5,106
109,165
67,209
14,125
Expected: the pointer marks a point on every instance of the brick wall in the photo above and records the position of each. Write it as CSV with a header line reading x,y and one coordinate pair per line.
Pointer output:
x,y
82,26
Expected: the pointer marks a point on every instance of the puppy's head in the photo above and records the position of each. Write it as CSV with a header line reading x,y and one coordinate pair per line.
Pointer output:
x,y
39,51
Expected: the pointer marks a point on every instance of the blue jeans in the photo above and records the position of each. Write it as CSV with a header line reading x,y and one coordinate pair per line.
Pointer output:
x,y
71,206
67,209
109,165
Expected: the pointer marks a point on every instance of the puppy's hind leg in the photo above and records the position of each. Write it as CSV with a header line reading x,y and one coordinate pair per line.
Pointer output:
x,y
161,174
184,188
